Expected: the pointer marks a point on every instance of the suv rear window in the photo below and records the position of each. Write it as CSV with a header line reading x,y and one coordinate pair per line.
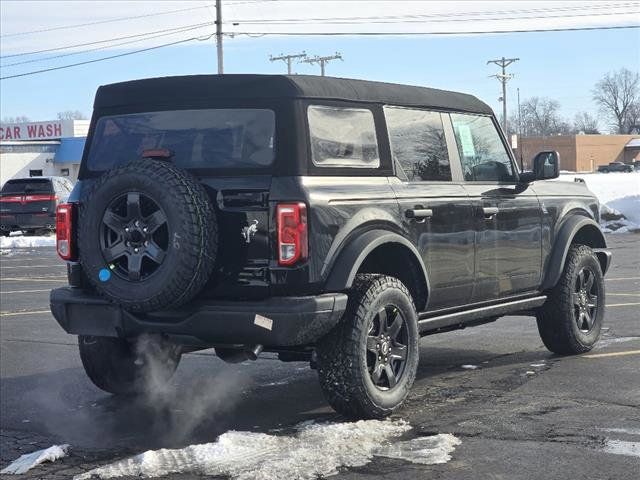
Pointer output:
x,y
343,137
213,138
28,185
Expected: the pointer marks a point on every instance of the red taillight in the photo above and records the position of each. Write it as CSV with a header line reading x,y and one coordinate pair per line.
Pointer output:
x,y
64,231
293,245
28,198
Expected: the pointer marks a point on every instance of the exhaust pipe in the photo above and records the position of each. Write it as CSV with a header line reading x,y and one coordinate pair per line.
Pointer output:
x,y
252,354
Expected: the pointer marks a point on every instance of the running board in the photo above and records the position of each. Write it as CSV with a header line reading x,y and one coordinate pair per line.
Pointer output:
x,y
452,321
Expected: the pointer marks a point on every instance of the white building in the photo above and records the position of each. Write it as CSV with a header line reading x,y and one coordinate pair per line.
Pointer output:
x,y
41,148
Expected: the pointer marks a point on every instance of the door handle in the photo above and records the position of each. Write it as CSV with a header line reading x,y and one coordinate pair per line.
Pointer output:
x,y
490,212
419,213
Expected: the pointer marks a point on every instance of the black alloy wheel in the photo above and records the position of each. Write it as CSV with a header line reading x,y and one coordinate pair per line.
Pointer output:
x,y
134,236
585,299
387,347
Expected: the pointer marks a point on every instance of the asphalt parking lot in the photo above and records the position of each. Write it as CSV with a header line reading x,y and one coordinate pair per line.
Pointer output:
x,y
519,411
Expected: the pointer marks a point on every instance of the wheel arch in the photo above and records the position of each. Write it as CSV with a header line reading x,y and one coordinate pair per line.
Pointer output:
x,y
577,229
384,252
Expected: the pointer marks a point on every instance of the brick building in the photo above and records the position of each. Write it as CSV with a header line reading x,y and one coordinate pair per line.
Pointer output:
x,y
582,153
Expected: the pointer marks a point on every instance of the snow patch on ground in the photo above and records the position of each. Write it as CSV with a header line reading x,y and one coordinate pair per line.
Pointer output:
x,y
29,460
469,367
606,341
26,242
622,447
619,196
314,450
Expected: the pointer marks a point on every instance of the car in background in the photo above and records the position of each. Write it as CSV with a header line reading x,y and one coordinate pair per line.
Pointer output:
x,y
616,167
29,204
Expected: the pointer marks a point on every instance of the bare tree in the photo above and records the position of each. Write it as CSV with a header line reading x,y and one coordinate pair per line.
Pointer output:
x,y
585,123
540,118
71,115
618,95
18,119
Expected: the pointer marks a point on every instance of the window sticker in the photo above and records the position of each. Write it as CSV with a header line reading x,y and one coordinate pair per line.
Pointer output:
x,y
466,140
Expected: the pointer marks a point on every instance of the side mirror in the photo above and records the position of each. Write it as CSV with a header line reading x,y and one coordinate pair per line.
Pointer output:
x,y
546,165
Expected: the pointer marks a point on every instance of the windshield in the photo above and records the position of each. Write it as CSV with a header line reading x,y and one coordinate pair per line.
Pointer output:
x,y
215,138
27,185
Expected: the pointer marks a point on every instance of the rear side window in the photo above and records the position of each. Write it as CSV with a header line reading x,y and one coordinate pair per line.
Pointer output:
x,y
28,185
213,138
482,152
343,137
418,143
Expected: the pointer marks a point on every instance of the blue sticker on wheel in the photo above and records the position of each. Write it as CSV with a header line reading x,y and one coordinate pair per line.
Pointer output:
x,y
104,275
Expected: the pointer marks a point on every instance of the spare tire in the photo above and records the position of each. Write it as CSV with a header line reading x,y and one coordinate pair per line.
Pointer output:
x,y
147,236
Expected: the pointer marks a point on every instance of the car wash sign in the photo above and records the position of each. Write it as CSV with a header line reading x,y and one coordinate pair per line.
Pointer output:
x,y
36,130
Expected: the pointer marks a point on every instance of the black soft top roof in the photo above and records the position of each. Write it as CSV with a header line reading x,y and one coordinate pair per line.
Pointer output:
x,y
187,89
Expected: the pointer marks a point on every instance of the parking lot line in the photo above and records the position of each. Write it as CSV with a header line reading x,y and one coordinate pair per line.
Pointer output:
x,y
622,304
34,279
622,278
2,267
624,294
31,312
613,354
24,291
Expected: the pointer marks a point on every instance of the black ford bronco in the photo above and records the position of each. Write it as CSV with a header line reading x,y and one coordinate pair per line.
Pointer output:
x,y
327,220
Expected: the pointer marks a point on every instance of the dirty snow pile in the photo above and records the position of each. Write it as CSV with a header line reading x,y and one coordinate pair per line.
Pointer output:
x,y
19,241
313,450
29,460
619,196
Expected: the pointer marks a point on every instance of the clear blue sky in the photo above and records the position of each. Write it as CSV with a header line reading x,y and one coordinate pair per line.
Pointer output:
x,y
561,65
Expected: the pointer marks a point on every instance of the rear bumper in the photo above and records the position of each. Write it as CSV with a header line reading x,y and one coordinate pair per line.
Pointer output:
x,y
27,220
277,321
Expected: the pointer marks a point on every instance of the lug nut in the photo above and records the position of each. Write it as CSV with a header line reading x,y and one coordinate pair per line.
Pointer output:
x,y
126,229
144,229
146,244
135,250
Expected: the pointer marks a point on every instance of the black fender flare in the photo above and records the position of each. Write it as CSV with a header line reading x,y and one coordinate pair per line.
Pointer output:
x,y
351,258
563,240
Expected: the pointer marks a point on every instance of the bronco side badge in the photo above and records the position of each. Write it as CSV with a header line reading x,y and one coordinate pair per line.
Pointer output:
x,y
249,231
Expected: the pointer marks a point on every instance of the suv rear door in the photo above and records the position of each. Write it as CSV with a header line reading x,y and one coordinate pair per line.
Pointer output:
x,y
437,211
507,214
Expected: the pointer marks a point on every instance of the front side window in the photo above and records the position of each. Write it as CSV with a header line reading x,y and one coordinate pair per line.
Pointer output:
x,y
418,143
212,138
342,137
482,152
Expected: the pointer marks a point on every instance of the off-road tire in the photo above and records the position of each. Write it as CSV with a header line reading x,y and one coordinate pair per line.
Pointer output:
x,y
192,235
128,367
342,354
557,319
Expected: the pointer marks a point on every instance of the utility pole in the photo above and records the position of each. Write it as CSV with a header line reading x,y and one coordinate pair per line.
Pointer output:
x,y
323,60
520,132
219,36
503,78
287,59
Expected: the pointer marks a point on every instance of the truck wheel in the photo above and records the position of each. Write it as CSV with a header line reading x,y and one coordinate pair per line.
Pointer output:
x,y
148,236
571,319
368,362
124,367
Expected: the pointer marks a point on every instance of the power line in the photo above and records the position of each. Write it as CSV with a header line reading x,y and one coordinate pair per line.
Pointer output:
x,y
97,42
351,21
448,15
80,52
107,58
99,22
468,32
